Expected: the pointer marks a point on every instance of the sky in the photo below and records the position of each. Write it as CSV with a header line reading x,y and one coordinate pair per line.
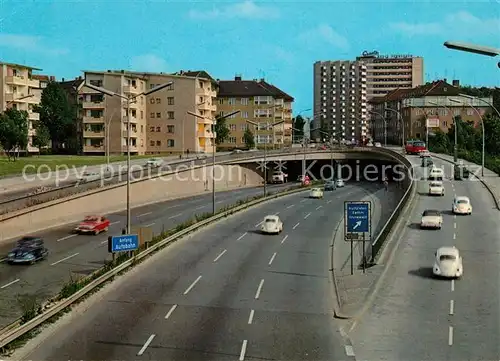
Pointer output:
x,y
275,40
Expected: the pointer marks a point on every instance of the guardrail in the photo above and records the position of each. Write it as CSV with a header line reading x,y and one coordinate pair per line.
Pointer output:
x,y
16,330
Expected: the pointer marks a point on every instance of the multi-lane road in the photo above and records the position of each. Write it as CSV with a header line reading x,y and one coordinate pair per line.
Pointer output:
x,y
417,317
224,293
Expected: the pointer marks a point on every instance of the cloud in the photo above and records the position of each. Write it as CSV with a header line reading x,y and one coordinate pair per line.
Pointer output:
x,y
29,43
246,9
148,63
460,22
326,34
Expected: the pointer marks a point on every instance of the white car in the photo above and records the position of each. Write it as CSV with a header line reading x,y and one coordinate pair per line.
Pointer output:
x,y
436,188
424,154
436,173
154,163
271,225
431,219
448,263
378,145
89,177
339,183
461,205
316,193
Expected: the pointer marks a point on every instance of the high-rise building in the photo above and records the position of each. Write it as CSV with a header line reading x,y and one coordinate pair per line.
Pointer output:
x,y
258,102
340,100
159,122
20,90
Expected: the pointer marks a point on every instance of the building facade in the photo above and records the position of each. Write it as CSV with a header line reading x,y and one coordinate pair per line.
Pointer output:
x,y
423,110
259,103
340,100
159,122
20,90
44,79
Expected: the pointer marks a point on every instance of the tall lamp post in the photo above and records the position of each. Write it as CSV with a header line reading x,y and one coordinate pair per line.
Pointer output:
x,y
268,125
473,48
214,147
129,99
385,124
331,137
400,120
455,148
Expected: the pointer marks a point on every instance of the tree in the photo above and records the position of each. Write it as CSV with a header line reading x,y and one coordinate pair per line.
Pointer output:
x,y
298,124
13,131
492,134
41,139
249,139
57,115
221,130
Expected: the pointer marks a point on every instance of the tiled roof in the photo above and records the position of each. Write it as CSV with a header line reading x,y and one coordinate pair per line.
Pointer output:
x,y
436,88
195,74
250,88
71,84
42,77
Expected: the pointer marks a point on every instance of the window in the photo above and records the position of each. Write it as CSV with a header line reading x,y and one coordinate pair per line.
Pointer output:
x,y
151,86
170,100
262,100
96,83
170,129
170,115
221,114
231,140
244,114
232,127
456,112
221,101
158,129
470,112
152,143
170,87
231,101
158,143
142,114
244,127
151,129
262,113
158,101
200,84
142,128
170,143
243,140
158,115
244,101
262,126
152,115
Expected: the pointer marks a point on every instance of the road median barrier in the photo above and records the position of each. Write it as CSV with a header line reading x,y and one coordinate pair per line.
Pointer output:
x,y
77,289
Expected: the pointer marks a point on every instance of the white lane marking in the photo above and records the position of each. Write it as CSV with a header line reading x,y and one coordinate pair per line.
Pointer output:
x,y
10,283
454,216
302,201
150,339
200,207
296,225
290,206
454,225
150,225
452,285
144,214
243,235
276,213
169,313
328,202
192,285
450,336
218,202
258,224
250,318
220,255
454,236
307,215
318,207
175,216
259,289
284,239
349,351
243,350
2,260
452,307
115,222
67,237
65,259
272,258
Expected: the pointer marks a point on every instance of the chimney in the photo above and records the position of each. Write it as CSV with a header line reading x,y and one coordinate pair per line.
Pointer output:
x,y
445,80
62,79
237,78
261,80
456,83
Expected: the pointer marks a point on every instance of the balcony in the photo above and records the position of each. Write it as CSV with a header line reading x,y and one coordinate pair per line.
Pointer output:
x,y
133,133
16,80
205,134
131,89
98,148
132,119
93,134
33,116
207,107
31,132
93,120
204,121
93,105
33,83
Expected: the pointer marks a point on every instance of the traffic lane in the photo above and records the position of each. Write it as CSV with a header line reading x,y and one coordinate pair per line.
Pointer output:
x,y
476,297
411,305
162,282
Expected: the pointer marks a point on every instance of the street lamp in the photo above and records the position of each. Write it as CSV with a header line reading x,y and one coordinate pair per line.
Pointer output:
x,y
331,137
268,125
130,99
482,100
385,124
400,120
482,130
455,148
473,48
214,147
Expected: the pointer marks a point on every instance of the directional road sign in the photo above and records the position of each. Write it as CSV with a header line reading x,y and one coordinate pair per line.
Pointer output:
x,y
357,219
123,243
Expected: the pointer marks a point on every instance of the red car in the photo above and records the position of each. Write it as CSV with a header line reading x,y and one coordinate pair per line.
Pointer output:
x,y
415,147
93,224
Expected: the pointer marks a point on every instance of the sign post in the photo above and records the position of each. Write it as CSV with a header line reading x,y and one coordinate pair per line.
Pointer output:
x,y
357,225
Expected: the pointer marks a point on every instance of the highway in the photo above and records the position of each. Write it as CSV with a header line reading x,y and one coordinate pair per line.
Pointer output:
x,y
417,317
82,254
225,293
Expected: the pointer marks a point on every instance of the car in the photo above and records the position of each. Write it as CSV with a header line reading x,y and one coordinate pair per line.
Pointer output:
x,y
460,172
425,154
330,186
461,205
271,225
448,263
28,250
89,177
154,163
279,177
427,162
436,173
436,188
431,219
316,193
378,145
369,144
93,224
414,147
339,183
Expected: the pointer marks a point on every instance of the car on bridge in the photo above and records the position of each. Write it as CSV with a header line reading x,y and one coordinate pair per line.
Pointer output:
x,y
272,224
461,205
431,219
28,250
316,193
330,185
89,177
279,177
93,224
154,163
339,183
448,263
436,188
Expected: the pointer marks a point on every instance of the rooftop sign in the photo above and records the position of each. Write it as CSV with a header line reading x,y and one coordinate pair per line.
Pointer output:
x,y
376,54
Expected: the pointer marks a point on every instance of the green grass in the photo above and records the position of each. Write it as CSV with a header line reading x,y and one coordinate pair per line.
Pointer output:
x,y
10,168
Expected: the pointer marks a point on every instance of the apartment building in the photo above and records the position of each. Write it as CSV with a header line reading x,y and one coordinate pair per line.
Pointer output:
x,y
44,79
259,102
159,122
433,105
340,100
20,90
72,89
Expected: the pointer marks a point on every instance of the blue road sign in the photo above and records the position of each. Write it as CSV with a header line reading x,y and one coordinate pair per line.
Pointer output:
x,y
357,217
123,243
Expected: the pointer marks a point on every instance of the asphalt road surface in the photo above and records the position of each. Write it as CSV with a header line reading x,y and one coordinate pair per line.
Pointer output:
x,y
225,293
79,255
417,317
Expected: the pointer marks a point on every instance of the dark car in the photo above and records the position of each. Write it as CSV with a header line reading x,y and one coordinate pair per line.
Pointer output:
x,y
427,162
330,186
28,250
460,172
